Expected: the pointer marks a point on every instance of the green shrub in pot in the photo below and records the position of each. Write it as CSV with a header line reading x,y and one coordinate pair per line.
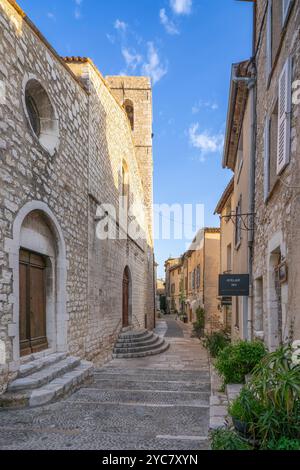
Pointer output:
x,y
216,342
239,359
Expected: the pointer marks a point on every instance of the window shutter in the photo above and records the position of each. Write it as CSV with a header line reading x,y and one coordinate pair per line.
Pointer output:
x,y
269,41
284,117
285,10
267,159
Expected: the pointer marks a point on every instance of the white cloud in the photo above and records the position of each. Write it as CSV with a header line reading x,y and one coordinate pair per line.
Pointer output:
x,y
153,68
111,38
132,59
205,141
120,25
169,25
181,7
51,16
204,104
77,11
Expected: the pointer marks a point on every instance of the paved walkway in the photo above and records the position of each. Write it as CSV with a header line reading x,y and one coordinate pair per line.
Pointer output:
x,y
155,403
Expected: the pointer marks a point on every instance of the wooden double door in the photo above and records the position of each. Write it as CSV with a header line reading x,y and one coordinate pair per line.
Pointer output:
x,y
33,335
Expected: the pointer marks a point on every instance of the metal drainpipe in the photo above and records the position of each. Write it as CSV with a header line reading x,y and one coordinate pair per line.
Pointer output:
x,y
253,95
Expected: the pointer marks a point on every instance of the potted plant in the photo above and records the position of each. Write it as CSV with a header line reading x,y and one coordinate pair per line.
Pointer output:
x,y
245,411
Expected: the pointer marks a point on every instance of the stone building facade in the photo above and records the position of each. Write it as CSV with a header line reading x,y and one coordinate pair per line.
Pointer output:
x,y
276,267
67,146
225,209
264,109
238,157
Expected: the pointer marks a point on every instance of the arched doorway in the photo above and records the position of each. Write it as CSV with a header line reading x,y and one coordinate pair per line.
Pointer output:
x,y
38,261
126,298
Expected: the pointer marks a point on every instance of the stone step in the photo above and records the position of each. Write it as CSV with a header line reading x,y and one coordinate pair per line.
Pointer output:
x,y
133,344
44,376
134,339
141,374
197,399
127,383
59,387
36,365
133,355
136,348
133,334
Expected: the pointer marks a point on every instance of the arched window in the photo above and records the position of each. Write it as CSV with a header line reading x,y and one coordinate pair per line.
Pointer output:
x,y
41,115
125,181
129,109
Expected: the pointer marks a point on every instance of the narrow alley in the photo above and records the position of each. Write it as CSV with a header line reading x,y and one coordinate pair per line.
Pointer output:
x,y
159,402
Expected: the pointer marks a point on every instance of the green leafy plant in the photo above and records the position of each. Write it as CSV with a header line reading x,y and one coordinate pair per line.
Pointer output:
x,y
246,408
239,359
275,383
200,322
227,439
216,342
284,443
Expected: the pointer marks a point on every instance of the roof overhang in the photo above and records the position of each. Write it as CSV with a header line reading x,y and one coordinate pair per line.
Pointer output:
x,y
225,196
238,96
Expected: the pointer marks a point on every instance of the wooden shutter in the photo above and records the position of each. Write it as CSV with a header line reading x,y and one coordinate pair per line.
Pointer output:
x,y
285,10
284,117
267,159
269,40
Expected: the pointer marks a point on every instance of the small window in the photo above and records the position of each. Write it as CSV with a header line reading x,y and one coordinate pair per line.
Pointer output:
x,y
41,115
198,277
33,113
273,146
276,15
229,257
129,109
193,280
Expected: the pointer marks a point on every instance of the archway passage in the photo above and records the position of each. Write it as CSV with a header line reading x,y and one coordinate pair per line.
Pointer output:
x,y
33,336
125,307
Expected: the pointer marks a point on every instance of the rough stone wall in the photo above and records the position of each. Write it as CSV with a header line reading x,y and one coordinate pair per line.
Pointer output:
x,y
29,173
85,171
138,91
280,215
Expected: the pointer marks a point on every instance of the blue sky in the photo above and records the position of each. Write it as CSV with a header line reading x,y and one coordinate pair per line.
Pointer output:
x,y
187,47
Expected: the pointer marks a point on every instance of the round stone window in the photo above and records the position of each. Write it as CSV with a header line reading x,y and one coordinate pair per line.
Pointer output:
x,y
41,115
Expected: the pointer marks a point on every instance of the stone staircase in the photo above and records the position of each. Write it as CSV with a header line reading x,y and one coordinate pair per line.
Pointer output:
x,y
45,380
138,343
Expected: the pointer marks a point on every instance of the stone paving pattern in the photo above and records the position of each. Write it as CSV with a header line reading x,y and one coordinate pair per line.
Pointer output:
x,y
153,403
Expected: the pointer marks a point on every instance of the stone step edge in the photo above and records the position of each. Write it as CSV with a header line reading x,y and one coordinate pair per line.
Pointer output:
x,y
144,354
133,344
41,378
57,389
134,334
37,365
137,348
135,341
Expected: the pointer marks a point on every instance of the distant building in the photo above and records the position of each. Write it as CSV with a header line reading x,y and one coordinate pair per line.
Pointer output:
x,y
193,280
225,209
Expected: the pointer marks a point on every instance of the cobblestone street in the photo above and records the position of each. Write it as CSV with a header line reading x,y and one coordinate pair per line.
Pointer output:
x,y
159,402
